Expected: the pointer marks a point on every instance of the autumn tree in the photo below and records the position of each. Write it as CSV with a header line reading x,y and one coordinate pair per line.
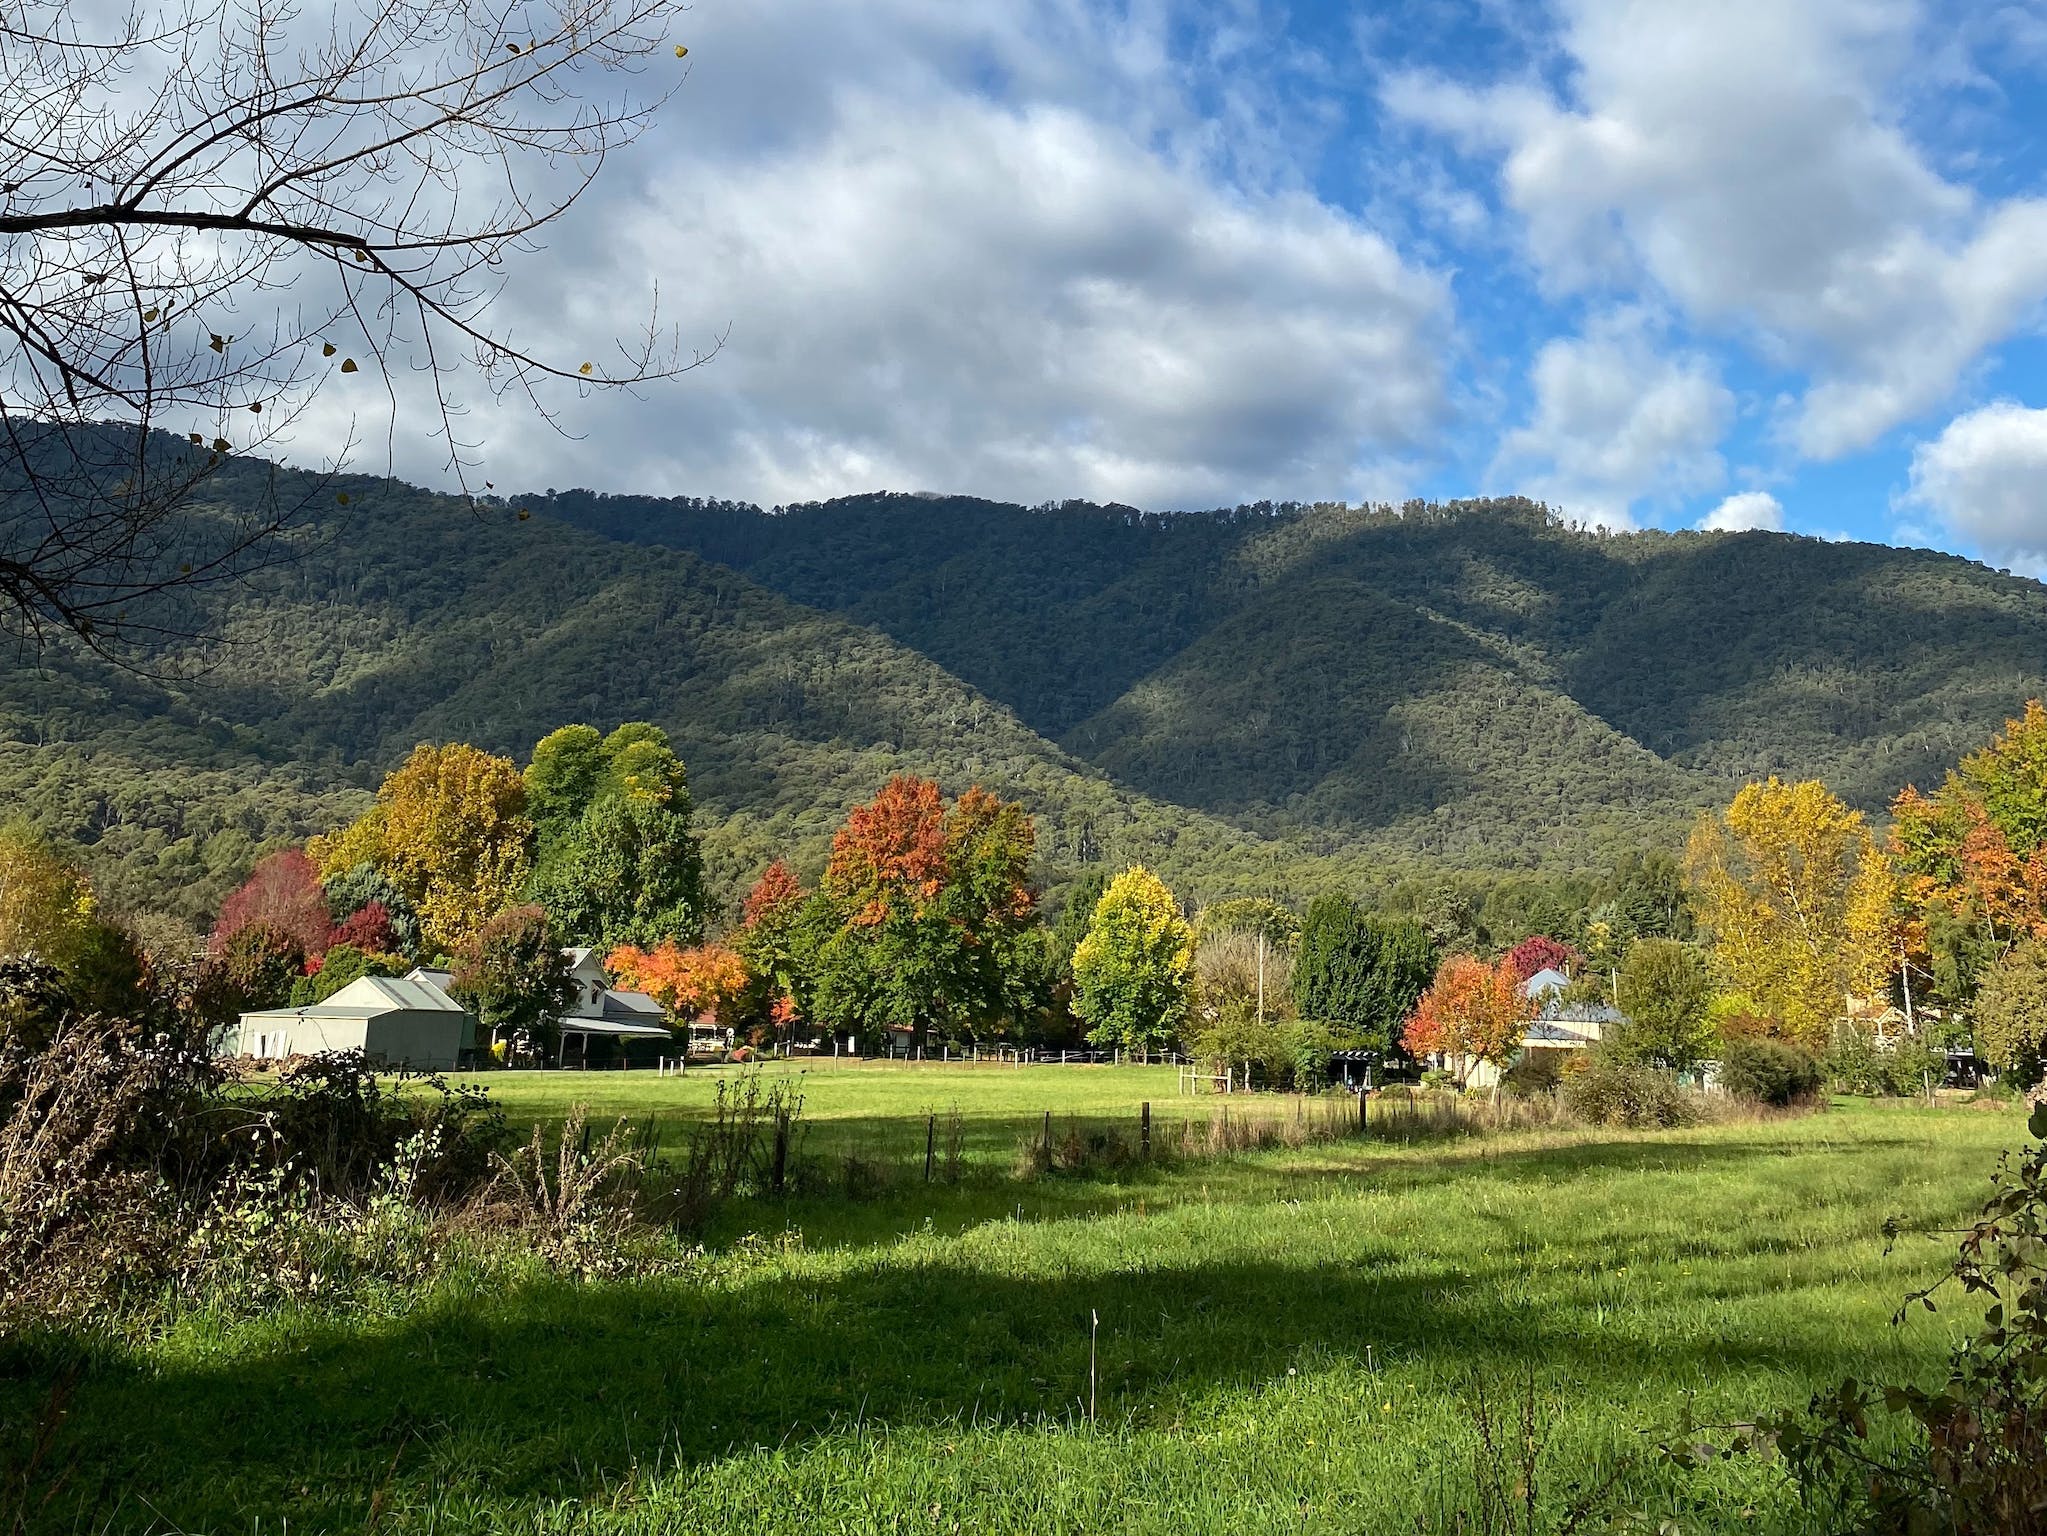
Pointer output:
x,y
930,906
620,864
1973,858
283,891
258,966
450,831
214,212
1133,972
47,907
1542,953
366,904
769,940
1797,901
1361,973
704,980
1471,1013
513,976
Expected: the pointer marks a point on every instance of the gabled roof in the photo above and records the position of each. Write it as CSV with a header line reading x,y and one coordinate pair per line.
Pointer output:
x,y
632,1008
1548,979
392,994
368,997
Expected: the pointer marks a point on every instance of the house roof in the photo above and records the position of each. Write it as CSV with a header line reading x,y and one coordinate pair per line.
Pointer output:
x,y
1548,979
571,1025
632,1008
367,997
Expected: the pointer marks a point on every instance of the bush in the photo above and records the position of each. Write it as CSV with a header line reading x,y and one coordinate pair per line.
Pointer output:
x,y
1768,1072
1858,1062
1605,1091
1535,1073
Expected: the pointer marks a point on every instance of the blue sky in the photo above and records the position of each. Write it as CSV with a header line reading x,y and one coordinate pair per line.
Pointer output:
x,y
1775,263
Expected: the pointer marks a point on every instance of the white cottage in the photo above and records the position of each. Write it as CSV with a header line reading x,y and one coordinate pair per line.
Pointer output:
x,y
394,1021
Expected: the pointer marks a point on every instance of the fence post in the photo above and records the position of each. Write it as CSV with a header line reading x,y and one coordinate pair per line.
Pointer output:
x,y
781,1169
1364,1110
1048,1138
1144,1128
930,1144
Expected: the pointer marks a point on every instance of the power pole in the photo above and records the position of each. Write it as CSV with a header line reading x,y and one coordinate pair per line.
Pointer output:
x,y
1261,978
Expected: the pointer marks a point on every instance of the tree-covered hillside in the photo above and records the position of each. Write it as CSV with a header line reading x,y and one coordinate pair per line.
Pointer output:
x,y
1271,700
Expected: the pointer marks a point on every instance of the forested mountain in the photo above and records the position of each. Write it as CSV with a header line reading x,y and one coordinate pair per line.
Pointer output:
x,y
1267,700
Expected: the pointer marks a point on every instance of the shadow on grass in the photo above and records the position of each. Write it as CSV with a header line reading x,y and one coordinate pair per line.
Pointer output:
x,y
546,1389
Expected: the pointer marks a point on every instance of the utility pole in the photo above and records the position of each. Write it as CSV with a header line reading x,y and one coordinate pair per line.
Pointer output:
x,y
1905,976
1261,978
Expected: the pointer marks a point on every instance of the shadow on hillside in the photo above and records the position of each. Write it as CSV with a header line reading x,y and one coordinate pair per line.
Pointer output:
x,y
553,1389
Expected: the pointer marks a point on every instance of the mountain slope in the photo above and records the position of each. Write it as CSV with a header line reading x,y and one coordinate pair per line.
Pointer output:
x,y
1266,700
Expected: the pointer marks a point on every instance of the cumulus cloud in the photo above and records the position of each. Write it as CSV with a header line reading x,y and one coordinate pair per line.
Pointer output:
x,y
1983,478
1744,162
1744,511
974,247
1615,421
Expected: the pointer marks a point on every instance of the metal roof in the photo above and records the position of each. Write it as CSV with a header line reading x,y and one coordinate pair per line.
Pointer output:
x,y
572,1025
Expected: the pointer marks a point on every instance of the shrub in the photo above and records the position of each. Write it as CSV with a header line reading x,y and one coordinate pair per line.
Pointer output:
x,y
1858,1062
1535,1072
1768,1072
1606,1091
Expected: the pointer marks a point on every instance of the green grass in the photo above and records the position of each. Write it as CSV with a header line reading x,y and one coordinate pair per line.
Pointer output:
x,y
1287,1342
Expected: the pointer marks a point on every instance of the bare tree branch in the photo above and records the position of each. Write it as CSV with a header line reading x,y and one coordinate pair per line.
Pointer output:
x,y
211,211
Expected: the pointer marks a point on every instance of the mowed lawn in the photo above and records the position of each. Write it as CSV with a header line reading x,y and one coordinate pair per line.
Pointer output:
x,y
1290,1341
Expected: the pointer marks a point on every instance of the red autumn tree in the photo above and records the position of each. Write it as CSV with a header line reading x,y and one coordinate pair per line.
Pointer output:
x,y
890,854
1472,1012
283,892
773,896
706,980
368,929
1543,953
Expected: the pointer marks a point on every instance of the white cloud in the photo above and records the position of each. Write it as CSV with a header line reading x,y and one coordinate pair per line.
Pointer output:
x,y
972,247
1615,422
1746,510
1744,161
1985,479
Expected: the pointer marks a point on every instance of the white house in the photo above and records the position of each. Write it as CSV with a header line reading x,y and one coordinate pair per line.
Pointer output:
x,y
606,1026
403,1021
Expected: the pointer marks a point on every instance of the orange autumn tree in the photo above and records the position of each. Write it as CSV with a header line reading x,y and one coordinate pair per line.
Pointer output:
x,y
705,980
1973,857
931,908
767,941
1472,1012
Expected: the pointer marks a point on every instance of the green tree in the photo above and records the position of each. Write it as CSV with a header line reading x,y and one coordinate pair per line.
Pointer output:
x,y
2011,1014
561,781
1074,917
1133,970
622,864
1361,973
513,976
47,905
354,888
1666,996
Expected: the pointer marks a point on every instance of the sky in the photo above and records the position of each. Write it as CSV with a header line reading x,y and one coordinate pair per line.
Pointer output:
x,y
1748,264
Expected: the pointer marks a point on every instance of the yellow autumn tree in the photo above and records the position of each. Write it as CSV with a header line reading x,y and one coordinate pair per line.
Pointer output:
x,y
450,830
1798,901
46,905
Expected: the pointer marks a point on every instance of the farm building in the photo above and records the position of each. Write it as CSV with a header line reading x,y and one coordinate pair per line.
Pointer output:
x,y
608,1027
395,1021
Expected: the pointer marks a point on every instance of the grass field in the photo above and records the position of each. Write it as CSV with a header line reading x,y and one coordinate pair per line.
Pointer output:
x,y
1286,1341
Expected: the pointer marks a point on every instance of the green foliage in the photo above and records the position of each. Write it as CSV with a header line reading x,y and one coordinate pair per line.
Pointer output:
x,y
1360,972
2011,1014
1249,914
355,888
619,862
513,976
260,965
1132,971
1858,1062
1666,993
1765,1071
338,967
1275,700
